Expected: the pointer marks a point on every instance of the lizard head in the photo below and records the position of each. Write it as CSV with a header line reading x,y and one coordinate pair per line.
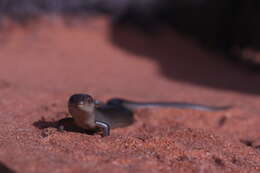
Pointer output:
x,y
81,101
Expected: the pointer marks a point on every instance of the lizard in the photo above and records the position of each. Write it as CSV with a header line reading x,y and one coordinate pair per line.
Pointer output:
x,y
91,114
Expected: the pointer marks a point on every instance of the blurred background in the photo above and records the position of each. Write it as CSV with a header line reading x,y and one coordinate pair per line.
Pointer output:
x,y
197,51
206,42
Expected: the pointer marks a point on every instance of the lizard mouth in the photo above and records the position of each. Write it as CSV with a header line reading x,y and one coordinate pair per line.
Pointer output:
x,y
76,105
80,105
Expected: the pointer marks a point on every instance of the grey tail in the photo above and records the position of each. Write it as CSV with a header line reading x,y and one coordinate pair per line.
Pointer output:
x,y
138,105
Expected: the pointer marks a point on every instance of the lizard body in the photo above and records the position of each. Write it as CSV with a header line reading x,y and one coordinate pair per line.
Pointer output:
x,y
91,114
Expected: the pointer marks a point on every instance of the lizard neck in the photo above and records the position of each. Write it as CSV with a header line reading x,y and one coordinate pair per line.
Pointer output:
x,y
84,117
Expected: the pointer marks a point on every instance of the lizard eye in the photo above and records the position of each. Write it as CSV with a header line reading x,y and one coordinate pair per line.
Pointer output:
x,y
80,99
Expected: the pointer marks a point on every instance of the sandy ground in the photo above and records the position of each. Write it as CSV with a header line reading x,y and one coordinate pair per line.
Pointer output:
x,y
42,65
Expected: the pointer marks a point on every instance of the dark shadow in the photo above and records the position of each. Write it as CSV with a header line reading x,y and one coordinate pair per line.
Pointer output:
x,y
218,24
216,32
65,124
182,58
5,169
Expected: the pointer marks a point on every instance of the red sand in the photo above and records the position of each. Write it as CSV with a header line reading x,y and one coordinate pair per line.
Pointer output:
x,y
41,66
